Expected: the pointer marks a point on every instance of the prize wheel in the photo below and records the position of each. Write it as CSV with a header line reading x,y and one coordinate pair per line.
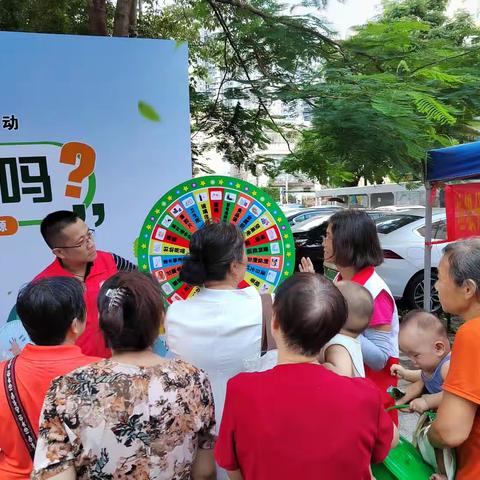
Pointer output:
x,y
166,232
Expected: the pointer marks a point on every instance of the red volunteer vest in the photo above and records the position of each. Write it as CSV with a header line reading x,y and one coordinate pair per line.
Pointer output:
x,y
91,341
383,378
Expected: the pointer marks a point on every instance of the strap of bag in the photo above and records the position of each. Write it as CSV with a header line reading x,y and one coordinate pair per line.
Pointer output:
x,y
423,422
16,408
268,343
439,457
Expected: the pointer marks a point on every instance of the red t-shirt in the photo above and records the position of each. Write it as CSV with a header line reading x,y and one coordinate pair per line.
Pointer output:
x,y
103,267
302,421
35,369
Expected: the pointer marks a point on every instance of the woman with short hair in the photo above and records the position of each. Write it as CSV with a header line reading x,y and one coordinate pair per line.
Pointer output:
x,y
135,415
352,244
300,420
458,417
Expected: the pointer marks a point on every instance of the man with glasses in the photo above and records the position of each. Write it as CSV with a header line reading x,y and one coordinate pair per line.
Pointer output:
x,y
73,245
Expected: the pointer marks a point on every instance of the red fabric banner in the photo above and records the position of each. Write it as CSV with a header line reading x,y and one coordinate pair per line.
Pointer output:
x,y
462,203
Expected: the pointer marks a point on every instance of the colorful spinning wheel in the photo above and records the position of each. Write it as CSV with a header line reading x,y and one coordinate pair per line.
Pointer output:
x,y
166,232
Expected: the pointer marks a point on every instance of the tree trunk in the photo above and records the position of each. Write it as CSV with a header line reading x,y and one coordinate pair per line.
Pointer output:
x,y
97,17
132,29
122,18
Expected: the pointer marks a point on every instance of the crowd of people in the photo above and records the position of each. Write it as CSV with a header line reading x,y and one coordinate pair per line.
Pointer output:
x,y
90,399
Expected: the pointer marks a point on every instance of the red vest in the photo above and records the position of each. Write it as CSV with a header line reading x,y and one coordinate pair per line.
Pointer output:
x,y
91,341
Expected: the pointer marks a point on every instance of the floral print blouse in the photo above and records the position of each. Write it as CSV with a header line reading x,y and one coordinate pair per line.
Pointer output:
x,y
116,421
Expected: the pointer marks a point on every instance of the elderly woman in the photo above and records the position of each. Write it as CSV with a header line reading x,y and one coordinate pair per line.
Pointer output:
x,y
458,418
135,415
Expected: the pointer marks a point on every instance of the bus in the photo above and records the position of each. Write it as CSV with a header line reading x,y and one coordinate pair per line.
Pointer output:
x,y
374,196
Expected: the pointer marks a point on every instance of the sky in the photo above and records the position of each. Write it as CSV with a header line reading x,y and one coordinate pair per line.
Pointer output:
x,y
343,15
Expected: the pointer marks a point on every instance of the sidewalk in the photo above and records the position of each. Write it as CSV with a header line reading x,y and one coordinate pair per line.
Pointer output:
x,y
407,424
407,421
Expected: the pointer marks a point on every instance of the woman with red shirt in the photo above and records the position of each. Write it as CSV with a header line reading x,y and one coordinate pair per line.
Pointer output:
x,y
300,420
352,244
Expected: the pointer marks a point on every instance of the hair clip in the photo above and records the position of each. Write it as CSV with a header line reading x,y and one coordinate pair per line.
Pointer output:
x,y
116,296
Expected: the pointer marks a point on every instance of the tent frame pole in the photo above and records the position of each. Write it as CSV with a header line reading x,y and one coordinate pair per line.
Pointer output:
x,y
427,272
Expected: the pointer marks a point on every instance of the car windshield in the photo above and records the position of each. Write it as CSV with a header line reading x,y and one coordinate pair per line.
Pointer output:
x,y
389,223
292,214
309,224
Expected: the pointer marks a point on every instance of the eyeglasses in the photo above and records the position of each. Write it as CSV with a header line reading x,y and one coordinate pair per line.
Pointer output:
x,y
88,236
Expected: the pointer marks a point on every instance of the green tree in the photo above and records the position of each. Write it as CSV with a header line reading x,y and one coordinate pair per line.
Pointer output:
x,y
413,84
45,16
257,53
401,84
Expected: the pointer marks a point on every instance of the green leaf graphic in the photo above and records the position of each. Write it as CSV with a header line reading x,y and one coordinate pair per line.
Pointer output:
x,y
148,111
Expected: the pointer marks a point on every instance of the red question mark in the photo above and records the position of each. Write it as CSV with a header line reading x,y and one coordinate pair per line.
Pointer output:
x,y
71,153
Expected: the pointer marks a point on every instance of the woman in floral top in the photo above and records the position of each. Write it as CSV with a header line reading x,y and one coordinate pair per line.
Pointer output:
x,y
135,415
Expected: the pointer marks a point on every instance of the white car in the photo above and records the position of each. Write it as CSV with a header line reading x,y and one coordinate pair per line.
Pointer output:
x,y
398,208
301,216
402,239
290,207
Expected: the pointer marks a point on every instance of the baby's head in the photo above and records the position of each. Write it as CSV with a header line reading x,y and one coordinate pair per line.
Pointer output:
x,y
423,338
360,307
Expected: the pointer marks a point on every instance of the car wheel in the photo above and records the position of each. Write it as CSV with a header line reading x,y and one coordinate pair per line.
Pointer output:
x,y
413,295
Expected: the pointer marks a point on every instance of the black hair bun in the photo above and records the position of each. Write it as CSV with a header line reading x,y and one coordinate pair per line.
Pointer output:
x,y
193,271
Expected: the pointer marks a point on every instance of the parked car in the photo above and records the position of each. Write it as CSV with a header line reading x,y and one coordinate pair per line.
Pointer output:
x,y
290,207
398,208
298,216
402,237
308,237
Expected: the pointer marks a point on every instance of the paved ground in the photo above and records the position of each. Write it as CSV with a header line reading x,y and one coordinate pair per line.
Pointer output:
x,y
407,421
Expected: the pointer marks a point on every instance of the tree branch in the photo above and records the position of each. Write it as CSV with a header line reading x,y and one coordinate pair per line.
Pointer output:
x,y
288,22
219,90
436,62
228,34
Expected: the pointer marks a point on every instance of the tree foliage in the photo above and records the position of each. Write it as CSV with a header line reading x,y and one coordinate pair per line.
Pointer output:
x,y
414,85
45,16
403,83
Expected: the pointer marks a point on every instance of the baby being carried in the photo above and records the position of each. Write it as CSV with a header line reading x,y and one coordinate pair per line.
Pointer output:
x,y
343,353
